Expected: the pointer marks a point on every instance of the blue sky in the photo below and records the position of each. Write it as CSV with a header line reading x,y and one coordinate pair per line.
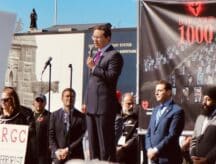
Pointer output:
x,y
120,13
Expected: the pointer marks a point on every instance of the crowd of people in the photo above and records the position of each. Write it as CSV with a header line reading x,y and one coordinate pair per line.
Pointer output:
x,y
111,121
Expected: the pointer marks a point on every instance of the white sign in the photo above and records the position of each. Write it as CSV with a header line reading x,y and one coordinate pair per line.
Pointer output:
x,y
7,24
13,143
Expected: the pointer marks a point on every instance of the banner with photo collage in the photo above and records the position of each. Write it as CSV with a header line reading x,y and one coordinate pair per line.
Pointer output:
x,y
177,43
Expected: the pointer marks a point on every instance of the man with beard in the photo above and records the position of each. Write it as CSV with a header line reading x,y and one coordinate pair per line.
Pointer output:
x,y
127,146
203,145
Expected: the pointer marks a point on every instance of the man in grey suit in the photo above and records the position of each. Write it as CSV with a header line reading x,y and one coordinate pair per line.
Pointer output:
x,y
203,144
66,131
100,101
165,127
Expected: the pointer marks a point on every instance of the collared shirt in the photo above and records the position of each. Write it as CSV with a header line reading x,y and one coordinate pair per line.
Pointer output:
x,y
165,105
104,49
102,52
67,119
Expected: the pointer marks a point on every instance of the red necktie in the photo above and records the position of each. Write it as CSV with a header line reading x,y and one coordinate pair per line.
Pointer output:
x,y
97,57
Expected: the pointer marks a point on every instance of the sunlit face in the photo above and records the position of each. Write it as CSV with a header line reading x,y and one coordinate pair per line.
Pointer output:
x,y
68,99
39,104
99,39
6,101
127,104
161,94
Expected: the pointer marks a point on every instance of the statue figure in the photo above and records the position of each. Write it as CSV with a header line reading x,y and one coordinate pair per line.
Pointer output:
x,y
33,17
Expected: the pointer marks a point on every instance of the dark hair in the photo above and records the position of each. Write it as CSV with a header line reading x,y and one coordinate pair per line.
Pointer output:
x,y
167,85
210,91
70,90
106,28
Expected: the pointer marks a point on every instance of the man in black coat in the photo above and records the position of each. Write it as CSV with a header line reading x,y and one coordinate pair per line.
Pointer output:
x,y
67,128
42,117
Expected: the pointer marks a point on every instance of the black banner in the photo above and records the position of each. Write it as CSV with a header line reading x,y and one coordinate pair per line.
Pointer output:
x,y
177,43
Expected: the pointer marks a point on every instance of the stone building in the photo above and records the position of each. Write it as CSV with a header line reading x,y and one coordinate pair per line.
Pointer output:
x,y
21,74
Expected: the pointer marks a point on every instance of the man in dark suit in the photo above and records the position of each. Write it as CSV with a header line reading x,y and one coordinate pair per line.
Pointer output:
x,y
101,102
67,128
165,127
203,144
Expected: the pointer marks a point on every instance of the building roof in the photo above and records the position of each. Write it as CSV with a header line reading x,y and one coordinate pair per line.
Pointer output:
x,y
70,27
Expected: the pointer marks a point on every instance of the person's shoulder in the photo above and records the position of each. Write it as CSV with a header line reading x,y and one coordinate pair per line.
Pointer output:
x,y
26,110
21,119
177,109
47,112
27,113
113,51
177,106
78,113
200,117
57,112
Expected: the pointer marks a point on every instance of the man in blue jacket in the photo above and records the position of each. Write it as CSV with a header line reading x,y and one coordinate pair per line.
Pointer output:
x,y
165,127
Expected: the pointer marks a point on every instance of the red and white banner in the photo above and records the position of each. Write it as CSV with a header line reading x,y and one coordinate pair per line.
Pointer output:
x,y
13,143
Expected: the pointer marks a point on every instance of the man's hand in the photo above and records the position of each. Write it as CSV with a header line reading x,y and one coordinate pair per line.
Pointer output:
x,y
61,154
152,153
84,108
58,154
186,143
65,152
199,160
90,63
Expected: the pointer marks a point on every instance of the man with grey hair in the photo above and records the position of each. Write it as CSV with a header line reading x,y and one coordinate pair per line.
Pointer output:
x,y
127,144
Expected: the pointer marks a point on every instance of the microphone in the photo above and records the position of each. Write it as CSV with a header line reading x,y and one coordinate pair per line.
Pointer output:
x,y
90,52
70,65
46,64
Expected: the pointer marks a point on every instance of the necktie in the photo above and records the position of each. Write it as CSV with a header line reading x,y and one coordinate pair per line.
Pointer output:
x,y
66,122
97,57
159,114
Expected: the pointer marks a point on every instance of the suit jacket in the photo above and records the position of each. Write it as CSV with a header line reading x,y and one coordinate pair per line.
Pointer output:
x,y
204,145
165,135
101,90
73,138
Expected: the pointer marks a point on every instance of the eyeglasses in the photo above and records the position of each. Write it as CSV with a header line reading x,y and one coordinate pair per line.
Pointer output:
x,y
97,37
5,99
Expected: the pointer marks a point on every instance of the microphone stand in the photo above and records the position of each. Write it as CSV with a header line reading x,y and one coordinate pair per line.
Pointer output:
x,y
50,66
70,66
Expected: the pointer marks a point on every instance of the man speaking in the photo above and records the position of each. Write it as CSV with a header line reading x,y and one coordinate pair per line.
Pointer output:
x,y
100,101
